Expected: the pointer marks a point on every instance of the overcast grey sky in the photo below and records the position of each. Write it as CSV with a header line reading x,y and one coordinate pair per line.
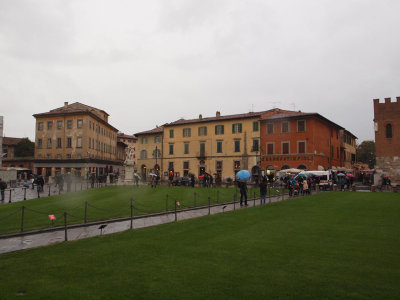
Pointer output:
x,y
151,62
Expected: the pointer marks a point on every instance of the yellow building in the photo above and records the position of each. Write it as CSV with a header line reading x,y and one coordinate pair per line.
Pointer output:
x,y
75,138
219,146
149,149
348,148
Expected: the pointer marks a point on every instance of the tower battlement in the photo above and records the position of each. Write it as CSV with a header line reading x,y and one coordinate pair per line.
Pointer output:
x,y
387,101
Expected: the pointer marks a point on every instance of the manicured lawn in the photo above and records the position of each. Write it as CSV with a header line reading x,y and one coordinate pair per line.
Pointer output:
x,y
107,203
327,246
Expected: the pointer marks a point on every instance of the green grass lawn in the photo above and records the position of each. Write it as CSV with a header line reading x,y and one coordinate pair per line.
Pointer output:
x,y
107,203
327,246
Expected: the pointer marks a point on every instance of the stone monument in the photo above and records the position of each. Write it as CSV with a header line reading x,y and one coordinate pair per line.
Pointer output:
x,y
129,164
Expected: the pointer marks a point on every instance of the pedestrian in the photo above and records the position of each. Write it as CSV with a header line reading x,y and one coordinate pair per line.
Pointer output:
x,y
68,179
243,192
61,182
305,188
3,186
40,183
137,180
263,190
192,181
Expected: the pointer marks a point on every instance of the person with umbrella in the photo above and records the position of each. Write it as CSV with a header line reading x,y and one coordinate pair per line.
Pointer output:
x,y
242,176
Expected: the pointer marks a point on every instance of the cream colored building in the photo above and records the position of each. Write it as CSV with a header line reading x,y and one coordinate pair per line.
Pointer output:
x,y
75,138
220,146
348,148
149,149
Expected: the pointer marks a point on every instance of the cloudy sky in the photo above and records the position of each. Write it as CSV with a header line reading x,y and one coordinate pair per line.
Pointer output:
x,y
151,62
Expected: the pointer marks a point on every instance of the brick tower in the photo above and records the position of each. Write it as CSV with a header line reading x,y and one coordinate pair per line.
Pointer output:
x,y
387,138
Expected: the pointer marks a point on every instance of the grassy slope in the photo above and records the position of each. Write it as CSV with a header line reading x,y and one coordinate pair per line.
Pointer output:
x,y
106,203
333,245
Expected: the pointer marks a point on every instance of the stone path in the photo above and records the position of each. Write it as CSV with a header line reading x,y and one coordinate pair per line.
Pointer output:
x,y
76,233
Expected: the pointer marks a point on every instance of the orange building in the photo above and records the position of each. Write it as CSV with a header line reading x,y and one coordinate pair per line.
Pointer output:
x,y
299,140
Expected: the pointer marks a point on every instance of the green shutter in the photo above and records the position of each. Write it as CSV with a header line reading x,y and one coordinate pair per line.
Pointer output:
x,y
240,127
233,128
222,129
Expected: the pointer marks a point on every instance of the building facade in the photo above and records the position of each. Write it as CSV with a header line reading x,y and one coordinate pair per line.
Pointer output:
x,y
348,149
149,152
387,138
10,160
75,138
300,140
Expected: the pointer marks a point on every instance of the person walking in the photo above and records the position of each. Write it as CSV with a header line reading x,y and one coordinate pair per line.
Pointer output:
x,y
3,186
263,190
305,188
243,192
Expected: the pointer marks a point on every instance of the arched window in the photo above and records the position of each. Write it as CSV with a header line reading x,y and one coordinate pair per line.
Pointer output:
x,y
143,154
389,132
284,167
302,167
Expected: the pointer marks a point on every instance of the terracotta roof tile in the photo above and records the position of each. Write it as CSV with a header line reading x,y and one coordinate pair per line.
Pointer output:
x,y
152,131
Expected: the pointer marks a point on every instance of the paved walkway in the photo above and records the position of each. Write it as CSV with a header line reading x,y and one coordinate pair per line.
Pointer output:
x,y
76,233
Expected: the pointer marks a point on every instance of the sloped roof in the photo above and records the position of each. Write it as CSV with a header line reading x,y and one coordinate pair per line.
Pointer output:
x,y
152,131
76,107
126,136
10,141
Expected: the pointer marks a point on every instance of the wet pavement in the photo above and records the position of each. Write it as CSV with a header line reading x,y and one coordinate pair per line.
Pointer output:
x,y
76,233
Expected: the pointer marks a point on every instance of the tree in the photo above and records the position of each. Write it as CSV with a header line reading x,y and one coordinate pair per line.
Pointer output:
x,y
366,153
24,148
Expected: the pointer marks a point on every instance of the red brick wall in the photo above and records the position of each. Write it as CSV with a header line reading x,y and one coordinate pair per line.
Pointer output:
x,y
319,136
385,113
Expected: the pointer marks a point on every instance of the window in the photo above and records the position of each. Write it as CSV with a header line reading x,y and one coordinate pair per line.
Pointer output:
x,y
143,140
237,146
90,143
186,150
59,124
255,145
157,139
171,133
202,131
270,128
187,132
49,143
255,126
202,149
48,156
219,129
219,146
58,142
79,123
68,156
90,124
40,144
49,125
69,124
285,147
389,131
69,142
171,149
270,148
170,165
302,147
237,128
185,168
40,126
285,127
143,154
79,142
236,164
301,125
157,153
218,165
58,156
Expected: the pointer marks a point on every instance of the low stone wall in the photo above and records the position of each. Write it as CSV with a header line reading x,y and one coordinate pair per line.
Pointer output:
x,y
388,166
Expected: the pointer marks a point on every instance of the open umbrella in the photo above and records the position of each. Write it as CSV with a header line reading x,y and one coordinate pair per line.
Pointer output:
x,y
153,174
243,175
340,174
303,175
350,175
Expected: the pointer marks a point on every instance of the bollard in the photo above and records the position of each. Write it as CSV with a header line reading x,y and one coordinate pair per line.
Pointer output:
x,y
85,212
49,190
9,201
209,204
24,193
22,218
38,193
254,198
217,196
234,201
131,213
175,212
269,195
166,203
65,226
195,199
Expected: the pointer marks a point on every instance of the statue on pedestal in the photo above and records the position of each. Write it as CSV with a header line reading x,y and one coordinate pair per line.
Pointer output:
x,y
129,164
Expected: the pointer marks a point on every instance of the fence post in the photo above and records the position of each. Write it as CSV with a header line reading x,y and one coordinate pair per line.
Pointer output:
x,y
22,218
234,201
65,226
175,212
131,213
24,193
195,199
209,203
9,200
217,196
166,203
85,212
254,198
49,189
38,193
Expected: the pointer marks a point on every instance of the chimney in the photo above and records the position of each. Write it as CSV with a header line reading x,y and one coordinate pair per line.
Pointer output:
x,y
218,114
201,117
65,104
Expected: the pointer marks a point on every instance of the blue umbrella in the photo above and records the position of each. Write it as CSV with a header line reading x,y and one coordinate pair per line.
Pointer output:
x,y
243,175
